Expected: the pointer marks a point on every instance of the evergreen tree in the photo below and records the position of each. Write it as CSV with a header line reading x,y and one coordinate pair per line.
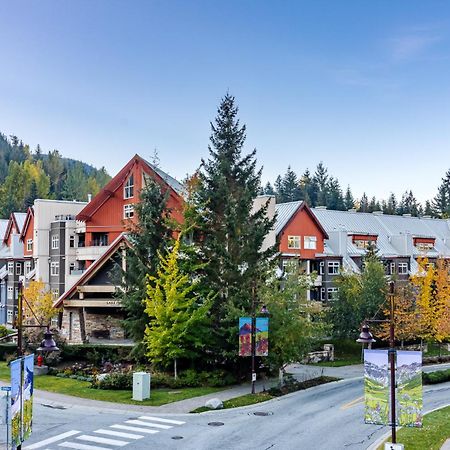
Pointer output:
x,y
149,235
54,167
38,153
335,199
279,189
349,201
308,189
268,189
391,206
441,203
178,318
363,203
232,235
408,204
320,179
290,187
428,211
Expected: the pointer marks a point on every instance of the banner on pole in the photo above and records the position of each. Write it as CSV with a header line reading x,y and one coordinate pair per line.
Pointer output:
x,y
376,387
261,336
409,388
16,403
27,395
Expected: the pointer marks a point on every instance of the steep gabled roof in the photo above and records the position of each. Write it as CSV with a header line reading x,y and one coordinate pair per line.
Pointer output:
x,y
93,268
28,217
115,183
17,219
3,228
285,212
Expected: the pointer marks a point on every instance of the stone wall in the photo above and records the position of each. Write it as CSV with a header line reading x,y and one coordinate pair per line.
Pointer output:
x,y
72,336
104,326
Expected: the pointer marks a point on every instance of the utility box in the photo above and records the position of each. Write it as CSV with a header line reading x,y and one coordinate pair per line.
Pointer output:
x,y
389,446
141,386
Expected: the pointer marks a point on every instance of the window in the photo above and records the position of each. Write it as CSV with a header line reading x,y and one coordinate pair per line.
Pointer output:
x,y
55,241
29,245
365,243
332,293
128,190
293,241
402,268
333,267
424,246
321,267
54,268
10,268
55,294
310,242
322,294
18,268
71,241
99,239
128,211
27,267
392,268
10,316
10,292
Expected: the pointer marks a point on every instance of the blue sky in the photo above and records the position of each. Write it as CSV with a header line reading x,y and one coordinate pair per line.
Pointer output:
x,y
362,86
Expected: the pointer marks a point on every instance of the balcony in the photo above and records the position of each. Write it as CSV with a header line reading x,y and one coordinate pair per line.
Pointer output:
x,y
91,252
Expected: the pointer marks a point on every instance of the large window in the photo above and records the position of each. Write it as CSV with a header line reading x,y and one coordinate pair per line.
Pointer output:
x,y
392,268
10,292
10,268
310,242
55,294
128,190
55,241
294,242
333,267
29,245
128,211
403,268
18,268
27,267
54,268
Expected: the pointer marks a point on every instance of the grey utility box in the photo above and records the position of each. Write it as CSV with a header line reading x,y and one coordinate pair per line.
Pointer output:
x,y
141,386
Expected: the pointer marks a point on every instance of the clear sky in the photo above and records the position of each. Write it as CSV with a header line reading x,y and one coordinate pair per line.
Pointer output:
x,y
363,86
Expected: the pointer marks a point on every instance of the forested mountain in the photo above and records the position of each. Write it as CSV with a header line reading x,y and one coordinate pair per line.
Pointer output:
x,y
322,189
26,175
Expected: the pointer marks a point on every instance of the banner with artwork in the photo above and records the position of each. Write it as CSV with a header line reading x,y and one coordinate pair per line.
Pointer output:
x,y
27,390
16,400
409,388
376,387
261,336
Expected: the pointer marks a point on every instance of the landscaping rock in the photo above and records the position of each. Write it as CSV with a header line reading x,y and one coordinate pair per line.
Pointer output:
x,y
214,403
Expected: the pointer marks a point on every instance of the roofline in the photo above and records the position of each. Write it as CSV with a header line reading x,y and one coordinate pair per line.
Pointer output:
x,y
12,217
92,270
300,207
30,212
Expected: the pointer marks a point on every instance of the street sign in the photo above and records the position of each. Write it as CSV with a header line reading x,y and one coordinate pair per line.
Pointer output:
x,y
5,388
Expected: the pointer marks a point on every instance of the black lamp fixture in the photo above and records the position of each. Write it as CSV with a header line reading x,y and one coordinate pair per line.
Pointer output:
x,y
48,344
264,310
365,337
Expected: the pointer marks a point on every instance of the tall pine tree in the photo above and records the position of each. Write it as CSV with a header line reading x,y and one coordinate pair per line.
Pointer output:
x,y
232,233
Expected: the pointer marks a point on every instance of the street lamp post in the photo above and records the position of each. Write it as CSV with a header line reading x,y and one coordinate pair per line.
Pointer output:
x,y
366,337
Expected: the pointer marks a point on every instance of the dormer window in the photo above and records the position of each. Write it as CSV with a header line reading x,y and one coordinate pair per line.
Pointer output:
x,y
424,244
364,241
128,190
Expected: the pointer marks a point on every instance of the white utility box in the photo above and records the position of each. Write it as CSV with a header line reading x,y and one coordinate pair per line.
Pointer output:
x,y
389,446
141,386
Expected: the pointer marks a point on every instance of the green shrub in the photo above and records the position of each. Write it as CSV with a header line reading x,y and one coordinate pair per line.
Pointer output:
x,y
116,381
95,354
7,349
440,376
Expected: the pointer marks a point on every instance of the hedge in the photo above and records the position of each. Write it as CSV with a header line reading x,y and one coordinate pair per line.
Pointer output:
x,y
95,353
7,349
440,376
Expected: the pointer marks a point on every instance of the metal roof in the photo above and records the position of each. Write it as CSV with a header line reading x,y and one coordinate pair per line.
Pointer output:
x,y
3,227
172,182
20,219
284,212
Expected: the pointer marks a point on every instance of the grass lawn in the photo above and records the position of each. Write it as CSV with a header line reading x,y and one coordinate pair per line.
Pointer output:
x,y
433,434
243,400
81,389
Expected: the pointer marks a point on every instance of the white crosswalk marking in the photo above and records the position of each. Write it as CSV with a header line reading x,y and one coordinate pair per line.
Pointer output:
x,y
102,440
77,446
149,424
139,430
51,440
158,419
119,434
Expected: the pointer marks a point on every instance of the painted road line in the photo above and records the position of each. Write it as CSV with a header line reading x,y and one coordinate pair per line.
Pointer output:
x,y
157,419
139,430
148,424
352,403
102,440
80,446
119,434
51,440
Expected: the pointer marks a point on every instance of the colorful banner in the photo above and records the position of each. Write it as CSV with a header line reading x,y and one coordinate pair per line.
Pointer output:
x,y
27,395
261,336
16,402
376,387
409,388
245,336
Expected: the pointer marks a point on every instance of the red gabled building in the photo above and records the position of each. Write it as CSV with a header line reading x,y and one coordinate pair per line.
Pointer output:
x,y
102,224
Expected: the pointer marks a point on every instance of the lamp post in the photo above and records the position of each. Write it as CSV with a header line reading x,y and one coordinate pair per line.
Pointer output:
x,y
366,337
263,310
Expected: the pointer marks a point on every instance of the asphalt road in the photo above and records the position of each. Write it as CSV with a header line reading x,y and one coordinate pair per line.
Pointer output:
x,y
326,417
